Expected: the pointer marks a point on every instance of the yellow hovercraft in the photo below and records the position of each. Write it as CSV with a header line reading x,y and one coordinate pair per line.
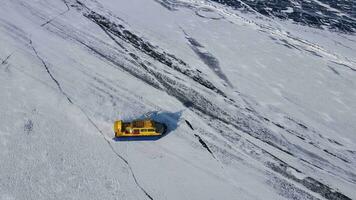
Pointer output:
x,y
139,128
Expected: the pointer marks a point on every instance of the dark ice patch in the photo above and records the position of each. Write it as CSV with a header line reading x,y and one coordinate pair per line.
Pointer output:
x,y
308,182
309,13
28,127
188,104
201,105
209,59
147,48
288,190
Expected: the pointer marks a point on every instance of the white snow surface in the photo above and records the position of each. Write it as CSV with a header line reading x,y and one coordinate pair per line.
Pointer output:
x,y
271,104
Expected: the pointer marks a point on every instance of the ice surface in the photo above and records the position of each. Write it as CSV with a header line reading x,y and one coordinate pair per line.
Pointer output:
x,y
256,108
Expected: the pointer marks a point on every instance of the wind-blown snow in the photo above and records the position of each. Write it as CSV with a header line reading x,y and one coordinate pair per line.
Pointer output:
x,y
256,108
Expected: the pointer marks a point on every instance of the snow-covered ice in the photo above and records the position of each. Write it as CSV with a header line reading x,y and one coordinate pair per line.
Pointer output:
x,y
256,108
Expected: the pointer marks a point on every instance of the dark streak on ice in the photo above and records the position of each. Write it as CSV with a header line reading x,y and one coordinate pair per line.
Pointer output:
x,y
335,142
298,123
150,50
201,105
50,73
278,125
116,153
113,61
60,14
91,121
344,65
204,144
66,3
166,4
4,62
197,102
313,53
336,156
288,190
288,44
334,70
111,37
189,124
309,182
173,5
209,59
